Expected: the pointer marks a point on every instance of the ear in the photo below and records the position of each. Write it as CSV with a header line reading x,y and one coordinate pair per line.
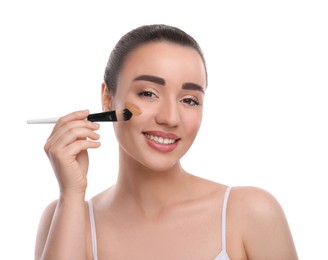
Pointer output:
x,y
106,99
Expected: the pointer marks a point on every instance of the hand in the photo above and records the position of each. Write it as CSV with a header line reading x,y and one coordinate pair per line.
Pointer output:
x,y
66,149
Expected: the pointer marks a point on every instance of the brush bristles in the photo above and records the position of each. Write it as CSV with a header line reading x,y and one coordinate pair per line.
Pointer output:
x,y
123,115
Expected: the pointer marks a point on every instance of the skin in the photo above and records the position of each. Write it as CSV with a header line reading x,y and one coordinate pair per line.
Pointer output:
x,y
156,210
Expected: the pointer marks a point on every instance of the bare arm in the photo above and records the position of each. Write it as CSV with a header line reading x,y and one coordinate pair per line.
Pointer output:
x,y
62,230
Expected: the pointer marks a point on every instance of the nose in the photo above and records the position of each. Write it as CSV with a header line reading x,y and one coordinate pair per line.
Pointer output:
x,y
168,114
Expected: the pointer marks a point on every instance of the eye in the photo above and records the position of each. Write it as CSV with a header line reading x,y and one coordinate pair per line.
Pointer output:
x,y
190,101
147,94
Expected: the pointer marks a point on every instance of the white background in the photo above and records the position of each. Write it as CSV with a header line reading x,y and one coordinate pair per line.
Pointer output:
x,y
266,110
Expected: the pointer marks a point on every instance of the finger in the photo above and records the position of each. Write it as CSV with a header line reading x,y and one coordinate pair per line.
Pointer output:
x,y
80,145
66,136
61,130
77,115
72,149
74,134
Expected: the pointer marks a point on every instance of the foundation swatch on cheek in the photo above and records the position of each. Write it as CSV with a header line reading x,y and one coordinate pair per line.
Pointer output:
x,y
135,110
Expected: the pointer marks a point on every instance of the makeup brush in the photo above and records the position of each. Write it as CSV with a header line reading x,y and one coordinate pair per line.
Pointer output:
x,y
108,116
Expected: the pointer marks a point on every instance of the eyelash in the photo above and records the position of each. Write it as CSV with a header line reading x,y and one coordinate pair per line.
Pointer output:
x,y
147,94
191,101
150,94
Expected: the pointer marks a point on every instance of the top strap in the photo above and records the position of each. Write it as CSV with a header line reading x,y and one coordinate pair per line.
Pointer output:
x,y
93,230
224,218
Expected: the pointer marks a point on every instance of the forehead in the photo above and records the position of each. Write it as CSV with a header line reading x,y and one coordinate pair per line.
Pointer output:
x,y
162,57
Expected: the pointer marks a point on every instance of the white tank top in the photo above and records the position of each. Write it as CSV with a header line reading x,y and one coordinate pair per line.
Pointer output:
x,y
222,256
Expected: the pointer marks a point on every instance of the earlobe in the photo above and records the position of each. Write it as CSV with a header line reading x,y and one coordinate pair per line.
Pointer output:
x,y
105,98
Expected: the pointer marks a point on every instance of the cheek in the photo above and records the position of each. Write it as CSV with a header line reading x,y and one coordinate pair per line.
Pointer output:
x,y
123,129
192,123
125,132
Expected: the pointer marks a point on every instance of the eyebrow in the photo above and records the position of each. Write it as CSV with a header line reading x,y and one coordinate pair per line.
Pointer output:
x,y
151,78
161,81
192,86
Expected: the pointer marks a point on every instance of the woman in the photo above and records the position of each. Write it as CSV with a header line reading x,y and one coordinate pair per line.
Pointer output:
x,y
156,210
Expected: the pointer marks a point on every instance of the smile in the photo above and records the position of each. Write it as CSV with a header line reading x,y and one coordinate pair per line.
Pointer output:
x,y
160,140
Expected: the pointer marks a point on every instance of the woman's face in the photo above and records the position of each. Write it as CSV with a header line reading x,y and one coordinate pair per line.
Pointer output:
x,y
167,82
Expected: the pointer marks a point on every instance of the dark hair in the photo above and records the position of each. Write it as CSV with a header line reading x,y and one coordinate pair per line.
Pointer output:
x,y
141,35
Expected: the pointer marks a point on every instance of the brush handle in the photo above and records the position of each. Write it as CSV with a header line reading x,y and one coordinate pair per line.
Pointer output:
x,y
109,116
50,120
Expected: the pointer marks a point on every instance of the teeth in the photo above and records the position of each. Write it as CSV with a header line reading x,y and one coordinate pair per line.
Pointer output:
x,y
160,140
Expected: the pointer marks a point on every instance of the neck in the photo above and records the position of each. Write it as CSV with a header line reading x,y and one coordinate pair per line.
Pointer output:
x,y
150,191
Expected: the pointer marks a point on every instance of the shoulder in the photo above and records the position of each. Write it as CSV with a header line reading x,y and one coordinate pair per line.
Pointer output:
x,y
43,229
258,219
253,206
47,215
254,200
